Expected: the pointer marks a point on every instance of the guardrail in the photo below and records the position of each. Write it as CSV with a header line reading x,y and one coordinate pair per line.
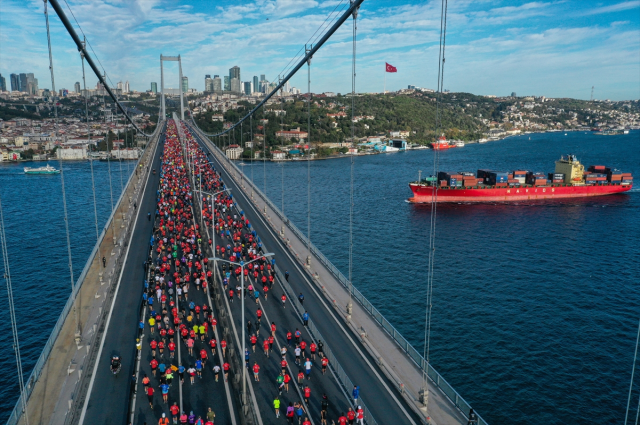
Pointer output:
x,y
401,341
17,412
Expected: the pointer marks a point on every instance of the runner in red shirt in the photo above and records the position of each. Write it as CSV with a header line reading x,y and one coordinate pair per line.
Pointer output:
x,y
256,370
154,366
225,367
212,343
289,338
175,410
150,393
273,329
351,416
271,339
283,364
172,349
283,298
254,340
223,345
307,394
265,346
203,357
342,420
313,347
287,379
360,415
325,362
300,378
153,345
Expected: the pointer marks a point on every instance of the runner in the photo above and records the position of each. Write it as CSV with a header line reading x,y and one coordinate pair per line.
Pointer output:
x,y
256,371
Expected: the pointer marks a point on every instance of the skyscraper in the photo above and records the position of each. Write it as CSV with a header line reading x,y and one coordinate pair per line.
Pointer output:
x,y
185,84
3,83
119,85
217,84
23,82
76,87
227,83
247,88
235,85
255,83
126,87
234,73
208,83
262,77
154,87
15,82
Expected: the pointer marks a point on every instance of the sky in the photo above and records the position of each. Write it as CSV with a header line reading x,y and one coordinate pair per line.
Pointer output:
x,y
558,48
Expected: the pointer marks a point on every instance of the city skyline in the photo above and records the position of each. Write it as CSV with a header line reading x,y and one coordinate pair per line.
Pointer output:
x,y
557,49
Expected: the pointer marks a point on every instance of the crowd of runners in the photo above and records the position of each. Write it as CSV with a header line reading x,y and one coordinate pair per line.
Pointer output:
x,y
180,328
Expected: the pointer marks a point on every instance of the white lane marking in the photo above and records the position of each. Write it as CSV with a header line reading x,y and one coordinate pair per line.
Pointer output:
x,y
115,297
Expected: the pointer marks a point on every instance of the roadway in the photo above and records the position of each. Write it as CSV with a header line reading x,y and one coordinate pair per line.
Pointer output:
x,y
108,396
384,401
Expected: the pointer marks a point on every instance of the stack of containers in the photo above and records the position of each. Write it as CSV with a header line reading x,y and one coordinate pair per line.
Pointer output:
x,y
520,176
497,179
468,179
627,178
556,178
614,176
595,178
451,179
536,179
597,168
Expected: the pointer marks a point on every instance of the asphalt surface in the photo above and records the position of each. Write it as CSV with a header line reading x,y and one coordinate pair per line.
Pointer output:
x,y
384,401
109,398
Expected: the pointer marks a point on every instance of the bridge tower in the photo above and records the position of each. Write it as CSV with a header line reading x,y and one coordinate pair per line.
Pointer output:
x,y
171,59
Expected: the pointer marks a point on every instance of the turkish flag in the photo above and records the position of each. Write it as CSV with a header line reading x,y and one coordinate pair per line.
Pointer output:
x,y
391,68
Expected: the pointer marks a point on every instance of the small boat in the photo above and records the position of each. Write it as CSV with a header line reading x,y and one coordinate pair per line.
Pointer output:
x,y
41,170
459,144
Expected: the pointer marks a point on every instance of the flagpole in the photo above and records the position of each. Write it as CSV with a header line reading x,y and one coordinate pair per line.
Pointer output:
x,y
385,80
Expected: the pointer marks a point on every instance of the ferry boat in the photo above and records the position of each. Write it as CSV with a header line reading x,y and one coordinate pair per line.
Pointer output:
x,y
397,145
41,170
570,180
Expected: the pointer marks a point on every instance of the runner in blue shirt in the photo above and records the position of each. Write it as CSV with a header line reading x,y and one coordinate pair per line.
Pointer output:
x,y
199,368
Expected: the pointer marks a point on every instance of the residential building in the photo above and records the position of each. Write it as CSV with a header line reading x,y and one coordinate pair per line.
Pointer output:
x,y
128,153
227,83
255,83
154,87
119,86
126,87
72,152
76,87
292,134
235,85
217,84
217,117
3,83
15,82
248,88
278,155
233,152
185,84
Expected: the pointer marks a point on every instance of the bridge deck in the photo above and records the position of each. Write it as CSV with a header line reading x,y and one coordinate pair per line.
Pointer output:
x,y
360,357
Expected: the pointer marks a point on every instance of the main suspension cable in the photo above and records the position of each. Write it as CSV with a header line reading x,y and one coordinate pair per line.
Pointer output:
x,y
633,370
308,156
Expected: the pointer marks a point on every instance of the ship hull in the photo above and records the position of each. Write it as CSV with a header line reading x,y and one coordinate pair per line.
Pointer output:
x,y
424,193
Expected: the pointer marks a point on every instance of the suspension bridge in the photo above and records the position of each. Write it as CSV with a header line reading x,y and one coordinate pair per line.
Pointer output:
x,y
186,198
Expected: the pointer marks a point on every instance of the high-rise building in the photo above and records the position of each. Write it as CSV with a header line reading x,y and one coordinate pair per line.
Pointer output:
x,y
208,83
235,85
15,82
120,86
3,83
227,83
23,82
262,77
255,83
126,87
185,84
76,87
513,94
154,87
217,84
248,88
234,73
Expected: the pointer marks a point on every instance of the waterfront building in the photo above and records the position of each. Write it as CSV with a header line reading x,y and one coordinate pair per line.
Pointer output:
x,y
233,152
72,152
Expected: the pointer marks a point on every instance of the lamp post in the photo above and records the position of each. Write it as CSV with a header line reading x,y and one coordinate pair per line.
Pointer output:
x,y
200,175
213,225
242,264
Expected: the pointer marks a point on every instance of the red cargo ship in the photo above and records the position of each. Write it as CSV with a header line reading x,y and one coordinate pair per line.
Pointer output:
x,y
570,180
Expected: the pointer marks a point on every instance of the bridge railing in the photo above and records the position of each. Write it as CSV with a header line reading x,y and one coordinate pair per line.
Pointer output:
x,y
48,346
400,340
